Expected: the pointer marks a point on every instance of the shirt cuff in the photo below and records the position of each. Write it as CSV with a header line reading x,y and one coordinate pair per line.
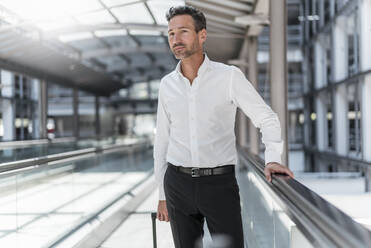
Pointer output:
x,y
161,195
272,156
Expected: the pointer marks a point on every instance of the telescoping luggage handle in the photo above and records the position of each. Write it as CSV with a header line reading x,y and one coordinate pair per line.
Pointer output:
x,y
154,216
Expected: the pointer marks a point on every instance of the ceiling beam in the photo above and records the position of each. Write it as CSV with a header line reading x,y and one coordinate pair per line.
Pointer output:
x,y
261,11
7,65
254,19
217,33
222,20
224,27
126,68
123,50
150,12
108,26
109,11
134,39
216,8
262,7
151,57
125,58
232,4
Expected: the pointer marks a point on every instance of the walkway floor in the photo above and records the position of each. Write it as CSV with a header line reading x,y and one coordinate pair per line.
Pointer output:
x,y
136,231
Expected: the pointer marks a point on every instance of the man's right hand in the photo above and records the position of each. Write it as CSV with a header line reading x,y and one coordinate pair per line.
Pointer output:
x,y
162,214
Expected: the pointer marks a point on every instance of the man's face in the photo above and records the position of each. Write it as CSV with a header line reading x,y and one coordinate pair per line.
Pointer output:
x,y
182,36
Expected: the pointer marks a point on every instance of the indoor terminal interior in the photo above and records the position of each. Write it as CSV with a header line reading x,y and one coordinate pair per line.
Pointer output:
x,y
79,83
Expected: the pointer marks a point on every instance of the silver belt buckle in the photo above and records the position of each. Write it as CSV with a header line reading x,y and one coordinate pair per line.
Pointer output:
x,y
195,172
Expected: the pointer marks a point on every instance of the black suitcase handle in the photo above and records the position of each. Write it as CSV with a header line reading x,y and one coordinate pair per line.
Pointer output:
x,y
154,216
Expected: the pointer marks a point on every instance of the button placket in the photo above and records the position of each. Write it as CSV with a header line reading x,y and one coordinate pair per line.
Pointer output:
x,y
192,121
192,118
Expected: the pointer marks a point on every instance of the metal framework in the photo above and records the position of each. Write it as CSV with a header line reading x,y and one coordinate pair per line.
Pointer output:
x,y
56,55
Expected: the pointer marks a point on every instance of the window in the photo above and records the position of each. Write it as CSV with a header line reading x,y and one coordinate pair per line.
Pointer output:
x,y
353,50
354,119
329,121
312,111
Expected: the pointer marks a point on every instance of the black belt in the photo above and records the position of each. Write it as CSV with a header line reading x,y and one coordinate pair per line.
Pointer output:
x,y
200,172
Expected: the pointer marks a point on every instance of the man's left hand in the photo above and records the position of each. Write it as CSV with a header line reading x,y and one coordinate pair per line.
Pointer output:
x,y
274,167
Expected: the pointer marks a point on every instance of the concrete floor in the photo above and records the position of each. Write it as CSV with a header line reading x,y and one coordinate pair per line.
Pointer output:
x,y
345,192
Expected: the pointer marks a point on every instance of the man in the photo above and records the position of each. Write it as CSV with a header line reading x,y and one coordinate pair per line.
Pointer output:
x,y
194,150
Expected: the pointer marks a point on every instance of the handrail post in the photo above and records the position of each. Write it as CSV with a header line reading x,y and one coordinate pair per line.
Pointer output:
x,y
368,179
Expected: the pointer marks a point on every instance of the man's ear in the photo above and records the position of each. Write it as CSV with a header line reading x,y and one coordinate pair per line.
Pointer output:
x,y
203,35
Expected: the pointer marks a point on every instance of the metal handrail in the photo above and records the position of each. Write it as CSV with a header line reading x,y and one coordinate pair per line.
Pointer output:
x,y
32,162
337,157
25,143
322,223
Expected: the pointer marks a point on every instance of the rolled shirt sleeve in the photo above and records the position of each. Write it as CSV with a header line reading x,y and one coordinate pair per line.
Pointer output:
x,y
161,144
244,95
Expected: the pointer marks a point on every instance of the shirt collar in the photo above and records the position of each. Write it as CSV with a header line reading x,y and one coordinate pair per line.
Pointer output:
x,y
201,70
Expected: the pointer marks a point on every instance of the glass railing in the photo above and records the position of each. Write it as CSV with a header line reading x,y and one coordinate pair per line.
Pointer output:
x,y
44,202
21,150
285,213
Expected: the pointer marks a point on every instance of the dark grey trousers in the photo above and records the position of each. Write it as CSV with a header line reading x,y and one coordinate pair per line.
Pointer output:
x,y
192,200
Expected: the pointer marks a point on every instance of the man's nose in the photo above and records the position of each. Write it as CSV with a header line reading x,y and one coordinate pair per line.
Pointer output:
x,y
176,39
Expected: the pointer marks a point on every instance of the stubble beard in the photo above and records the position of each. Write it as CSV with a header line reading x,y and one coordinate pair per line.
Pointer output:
x,y
186,52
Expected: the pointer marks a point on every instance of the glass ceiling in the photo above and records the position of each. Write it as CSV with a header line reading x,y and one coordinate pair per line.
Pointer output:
x,y
51,15
122,39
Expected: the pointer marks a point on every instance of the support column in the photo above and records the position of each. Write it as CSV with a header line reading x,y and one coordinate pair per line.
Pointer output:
x,y
320,106
253,78
314,12
307,113
149,92
368,180
97,117
76,113
321,130
365,64
332,8
43,109
340,49
306,21
36,115
242,121
321,125
340,69
341,120
321,5
8,108
319,64
278,67
21,110
366,123
365,34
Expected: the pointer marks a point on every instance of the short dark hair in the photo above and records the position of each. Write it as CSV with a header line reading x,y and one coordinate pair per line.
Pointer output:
x,y
197,16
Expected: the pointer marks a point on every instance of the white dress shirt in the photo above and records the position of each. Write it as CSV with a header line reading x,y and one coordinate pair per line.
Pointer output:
x,y
195,123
